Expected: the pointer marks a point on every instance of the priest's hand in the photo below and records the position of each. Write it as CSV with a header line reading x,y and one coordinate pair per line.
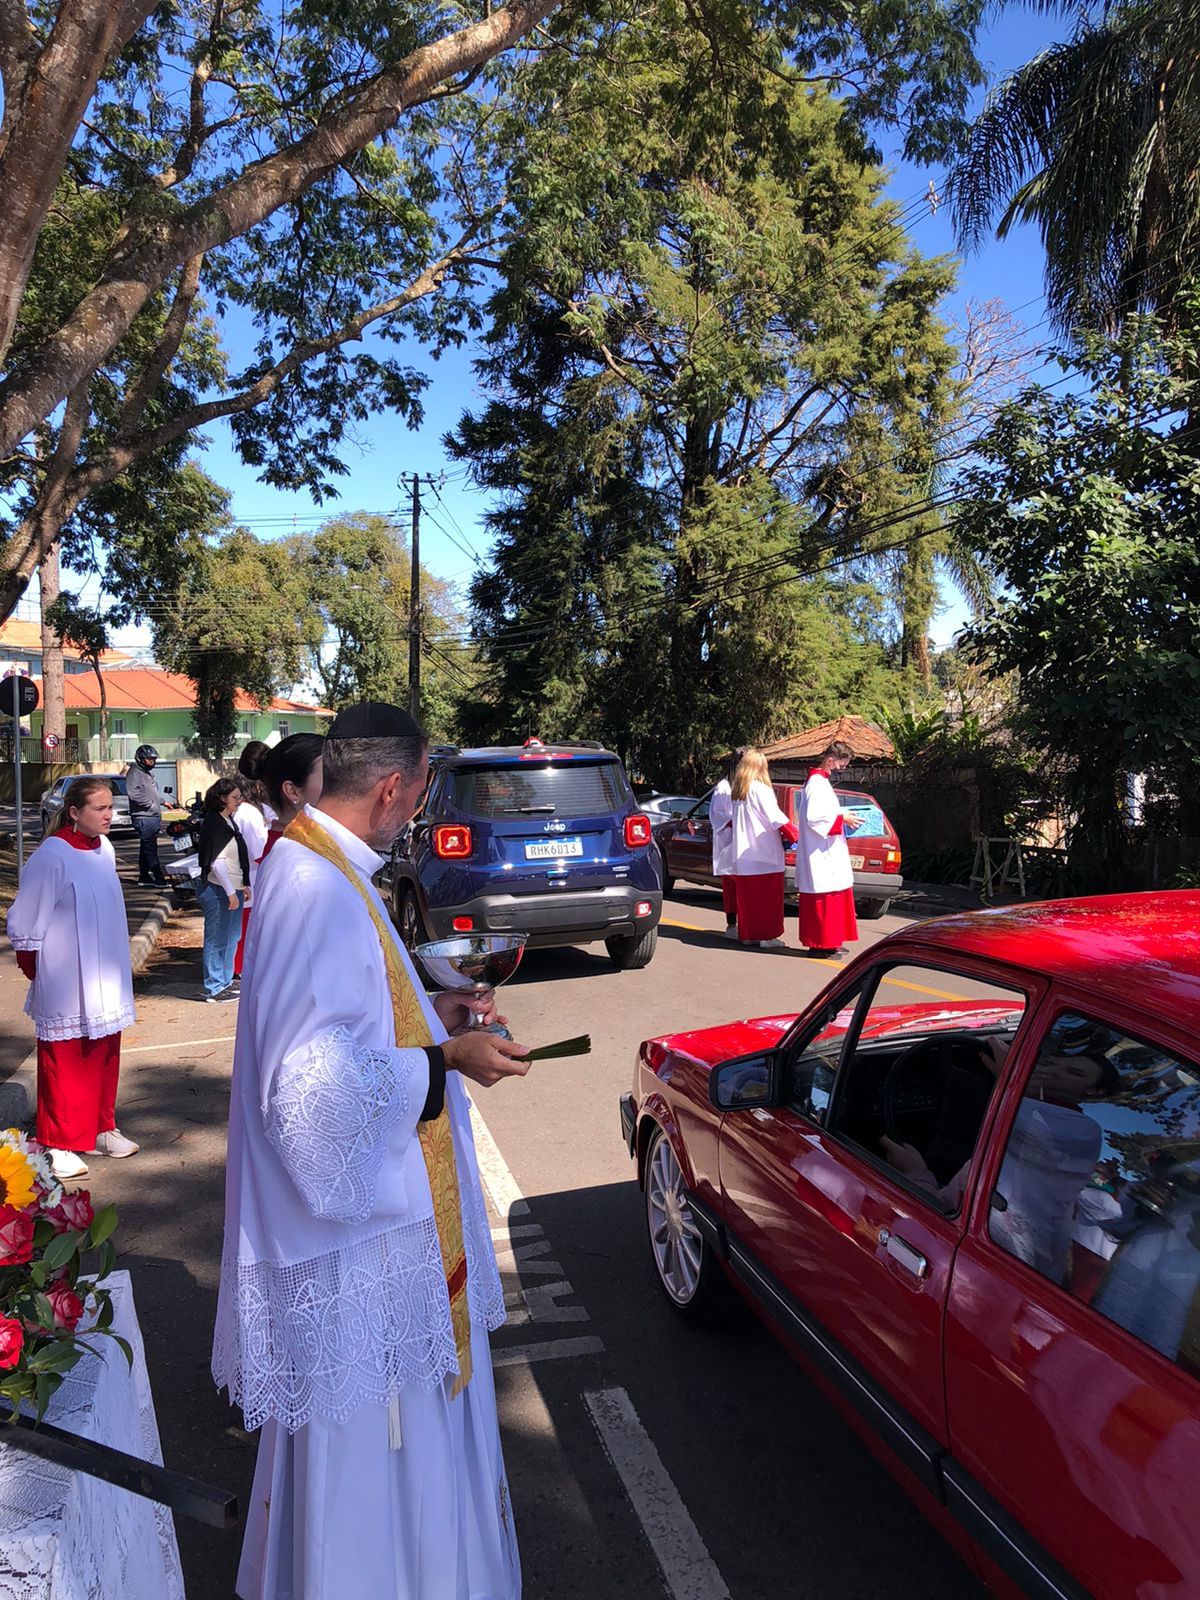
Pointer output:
x,y
485,1058
457,1011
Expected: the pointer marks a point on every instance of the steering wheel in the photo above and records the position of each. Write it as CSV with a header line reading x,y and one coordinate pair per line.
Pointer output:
x,y
916,1090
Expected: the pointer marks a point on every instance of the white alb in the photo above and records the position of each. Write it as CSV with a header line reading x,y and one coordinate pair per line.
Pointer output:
x,y
720,817
822,859
757,845
71,911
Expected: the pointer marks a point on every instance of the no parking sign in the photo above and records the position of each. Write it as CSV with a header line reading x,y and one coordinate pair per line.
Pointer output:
x,y
51,741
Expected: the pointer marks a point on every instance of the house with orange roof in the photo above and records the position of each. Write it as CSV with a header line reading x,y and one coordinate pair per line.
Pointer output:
x,y
21,649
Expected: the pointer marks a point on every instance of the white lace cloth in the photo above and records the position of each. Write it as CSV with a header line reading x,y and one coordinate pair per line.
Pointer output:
x,y
67,1536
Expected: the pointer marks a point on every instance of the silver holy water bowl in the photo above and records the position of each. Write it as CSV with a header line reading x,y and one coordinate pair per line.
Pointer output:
x,y
473,963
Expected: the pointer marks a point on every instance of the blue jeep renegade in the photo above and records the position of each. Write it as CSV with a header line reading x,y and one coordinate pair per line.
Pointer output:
x,y
542,839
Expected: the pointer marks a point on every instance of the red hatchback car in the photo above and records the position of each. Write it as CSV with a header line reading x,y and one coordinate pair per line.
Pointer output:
x,y
964,1187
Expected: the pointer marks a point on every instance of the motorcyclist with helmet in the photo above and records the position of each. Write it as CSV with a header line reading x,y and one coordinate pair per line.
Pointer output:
x,y
145,813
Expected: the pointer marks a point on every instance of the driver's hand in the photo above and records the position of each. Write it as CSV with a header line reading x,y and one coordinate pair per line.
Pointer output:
x,y
906,1158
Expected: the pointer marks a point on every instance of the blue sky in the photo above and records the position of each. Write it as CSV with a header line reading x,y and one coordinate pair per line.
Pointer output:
x,y
453,538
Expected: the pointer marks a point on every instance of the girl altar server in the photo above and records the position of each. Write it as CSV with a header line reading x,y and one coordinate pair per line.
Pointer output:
x,y
720,821
68,928
824,876
759,831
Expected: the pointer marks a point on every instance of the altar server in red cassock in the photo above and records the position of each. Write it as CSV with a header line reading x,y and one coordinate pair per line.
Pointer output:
x,y
68,928
759,831
824,876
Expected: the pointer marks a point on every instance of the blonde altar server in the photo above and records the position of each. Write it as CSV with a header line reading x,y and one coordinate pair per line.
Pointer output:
x,y
358,1281
824,876
720,820
759,832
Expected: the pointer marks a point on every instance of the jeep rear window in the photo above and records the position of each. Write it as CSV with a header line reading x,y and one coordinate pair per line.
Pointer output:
x,y
581,789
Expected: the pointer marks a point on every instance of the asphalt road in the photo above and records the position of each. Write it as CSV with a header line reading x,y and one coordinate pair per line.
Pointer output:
x,y
645,1458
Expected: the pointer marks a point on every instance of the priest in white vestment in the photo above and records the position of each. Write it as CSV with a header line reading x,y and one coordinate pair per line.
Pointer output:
x,y
358,1281
824,876
720,821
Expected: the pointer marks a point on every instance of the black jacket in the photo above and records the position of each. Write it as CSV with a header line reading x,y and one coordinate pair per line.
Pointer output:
x,y
215,833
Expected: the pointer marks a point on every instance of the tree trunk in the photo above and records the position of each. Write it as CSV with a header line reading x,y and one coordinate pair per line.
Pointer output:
x,y
99,671
54,694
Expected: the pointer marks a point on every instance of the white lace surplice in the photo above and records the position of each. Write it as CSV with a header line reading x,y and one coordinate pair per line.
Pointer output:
x,y
333,1292
70,910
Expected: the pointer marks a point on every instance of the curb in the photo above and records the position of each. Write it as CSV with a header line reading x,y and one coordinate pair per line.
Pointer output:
x,y
141,944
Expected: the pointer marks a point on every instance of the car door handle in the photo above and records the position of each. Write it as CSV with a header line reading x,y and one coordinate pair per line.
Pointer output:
x,y
904,1254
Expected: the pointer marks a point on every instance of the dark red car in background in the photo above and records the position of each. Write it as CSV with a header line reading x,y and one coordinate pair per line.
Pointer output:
x,y
686,846
964,1187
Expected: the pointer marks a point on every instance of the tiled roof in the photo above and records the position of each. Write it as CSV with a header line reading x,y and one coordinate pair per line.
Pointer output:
x,y
150,689
17,636
867,742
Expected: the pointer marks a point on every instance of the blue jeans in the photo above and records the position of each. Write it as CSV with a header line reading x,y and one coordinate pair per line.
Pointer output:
x,y
147,830
222,928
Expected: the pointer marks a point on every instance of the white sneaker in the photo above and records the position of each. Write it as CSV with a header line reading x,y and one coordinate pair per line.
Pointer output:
x,y
114,1143
66,1164
730,931
772,944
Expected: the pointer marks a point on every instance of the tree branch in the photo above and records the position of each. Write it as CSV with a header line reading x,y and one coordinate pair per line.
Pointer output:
x,y
104,315
165,351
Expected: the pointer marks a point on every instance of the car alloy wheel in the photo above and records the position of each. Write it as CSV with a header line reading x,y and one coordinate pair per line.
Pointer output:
x,y
674,1237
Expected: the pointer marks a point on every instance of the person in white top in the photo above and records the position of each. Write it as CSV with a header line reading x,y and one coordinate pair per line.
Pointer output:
x,y
224,886
69,930
252,819
759,831
824,876
358,1281
720,820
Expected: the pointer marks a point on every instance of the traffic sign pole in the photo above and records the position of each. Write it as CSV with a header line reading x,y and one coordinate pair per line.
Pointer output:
x,y
20,698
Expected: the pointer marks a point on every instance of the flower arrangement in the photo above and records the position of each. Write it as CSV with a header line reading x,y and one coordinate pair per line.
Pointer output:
x,y
49,1305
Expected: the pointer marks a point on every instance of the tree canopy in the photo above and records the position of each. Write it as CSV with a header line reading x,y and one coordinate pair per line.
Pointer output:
x,y
1088,503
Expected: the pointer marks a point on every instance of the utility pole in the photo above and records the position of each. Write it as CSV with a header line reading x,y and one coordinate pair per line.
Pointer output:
x,y
414,604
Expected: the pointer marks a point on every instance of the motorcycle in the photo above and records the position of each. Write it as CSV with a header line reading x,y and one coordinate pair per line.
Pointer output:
x,y
184,835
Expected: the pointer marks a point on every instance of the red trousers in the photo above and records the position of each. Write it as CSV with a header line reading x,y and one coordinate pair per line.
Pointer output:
x,y
76,1090
759,906
729,897
827,921
238,953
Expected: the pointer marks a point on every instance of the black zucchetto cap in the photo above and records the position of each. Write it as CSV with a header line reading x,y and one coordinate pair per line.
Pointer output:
x,y
373,719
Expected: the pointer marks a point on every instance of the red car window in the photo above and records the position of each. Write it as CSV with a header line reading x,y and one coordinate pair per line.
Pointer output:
x,y
926,1051
1099,1190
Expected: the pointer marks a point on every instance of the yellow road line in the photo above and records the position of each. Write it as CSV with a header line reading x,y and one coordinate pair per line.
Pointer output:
x,y
938,994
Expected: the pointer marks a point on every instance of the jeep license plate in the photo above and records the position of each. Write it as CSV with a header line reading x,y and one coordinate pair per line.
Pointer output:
x,y
856,863
552,849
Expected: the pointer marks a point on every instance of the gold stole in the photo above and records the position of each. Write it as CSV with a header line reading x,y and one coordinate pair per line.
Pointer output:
x,y
437,1143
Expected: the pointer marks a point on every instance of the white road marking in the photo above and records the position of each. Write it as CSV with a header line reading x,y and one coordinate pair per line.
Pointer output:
x,y
520,1355
503,1189
687,1567
176,1044
530,1230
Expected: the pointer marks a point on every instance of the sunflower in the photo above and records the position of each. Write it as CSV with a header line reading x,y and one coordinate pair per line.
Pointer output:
x,y
16,1179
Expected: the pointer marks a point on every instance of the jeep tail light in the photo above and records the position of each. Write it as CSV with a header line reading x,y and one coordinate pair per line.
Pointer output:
x,y
637,831
463,924
451,842
643,908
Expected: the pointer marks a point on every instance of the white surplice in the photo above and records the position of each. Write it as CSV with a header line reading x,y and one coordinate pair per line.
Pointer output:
x,y
822,859
71,911
251,823
333,1301
757,845
720,819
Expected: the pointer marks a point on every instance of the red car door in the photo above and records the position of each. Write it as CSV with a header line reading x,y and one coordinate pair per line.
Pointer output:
x,y
1073,1326
816,1212
688,848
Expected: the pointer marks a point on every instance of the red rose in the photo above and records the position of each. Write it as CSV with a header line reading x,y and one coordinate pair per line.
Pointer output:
x,y
66,1305
12,1342
16,1236
74,1210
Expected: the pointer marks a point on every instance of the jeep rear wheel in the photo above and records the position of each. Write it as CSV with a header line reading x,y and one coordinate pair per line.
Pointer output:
x,y
630,951
407,917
